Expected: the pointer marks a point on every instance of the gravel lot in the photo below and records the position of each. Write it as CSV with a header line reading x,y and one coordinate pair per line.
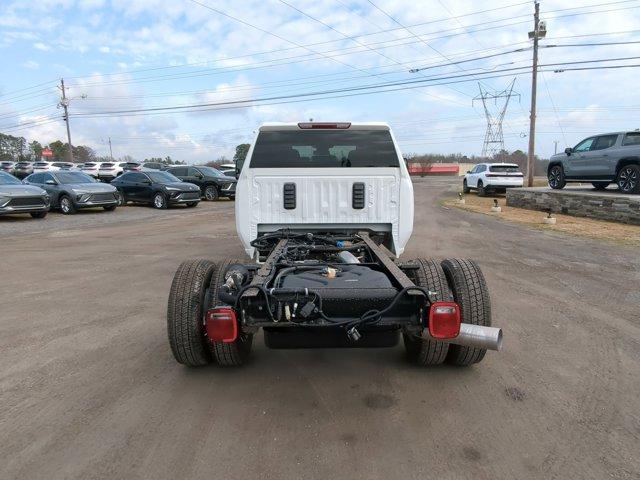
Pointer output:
x,y
88,387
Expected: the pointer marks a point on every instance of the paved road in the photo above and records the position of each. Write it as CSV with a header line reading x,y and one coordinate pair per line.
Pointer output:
x,y
88,387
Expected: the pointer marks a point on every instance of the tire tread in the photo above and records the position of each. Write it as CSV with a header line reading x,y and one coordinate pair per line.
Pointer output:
x,y
227,354
185,326
424,351
471,293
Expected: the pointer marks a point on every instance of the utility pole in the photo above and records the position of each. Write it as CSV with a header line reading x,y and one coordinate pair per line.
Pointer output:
x,y
64,103
537,33
555,147
110,151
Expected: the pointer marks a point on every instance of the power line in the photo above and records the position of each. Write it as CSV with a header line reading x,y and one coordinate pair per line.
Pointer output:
x,y
316,43
544,79
386,86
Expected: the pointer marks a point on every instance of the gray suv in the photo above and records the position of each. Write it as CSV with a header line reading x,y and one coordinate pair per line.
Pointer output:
x,y
612,157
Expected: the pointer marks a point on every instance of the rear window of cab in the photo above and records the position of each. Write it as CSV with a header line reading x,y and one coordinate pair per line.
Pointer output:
x,y
504,168
324,149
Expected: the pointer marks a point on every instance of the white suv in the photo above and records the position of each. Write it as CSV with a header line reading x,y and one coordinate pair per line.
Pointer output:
x,y
110,170
91,168
495,177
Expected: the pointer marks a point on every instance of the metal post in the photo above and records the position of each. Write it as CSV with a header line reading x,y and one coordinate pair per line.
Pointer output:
x,y
65,105
534,85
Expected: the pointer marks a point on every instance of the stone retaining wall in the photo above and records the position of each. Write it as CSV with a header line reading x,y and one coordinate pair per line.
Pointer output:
x,y
611,206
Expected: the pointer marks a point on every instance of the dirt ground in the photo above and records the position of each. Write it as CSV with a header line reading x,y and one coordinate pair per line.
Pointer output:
x,y
598,229
89,389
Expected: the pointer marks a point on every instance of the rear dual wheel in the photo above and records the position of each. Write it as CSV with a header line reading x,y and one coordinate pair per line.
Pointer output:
x,y
463,281
422,350
195,290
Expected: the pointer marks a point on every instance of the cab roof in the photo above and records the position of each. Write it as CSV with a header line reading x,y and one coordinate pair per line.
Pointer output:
x,y
275,126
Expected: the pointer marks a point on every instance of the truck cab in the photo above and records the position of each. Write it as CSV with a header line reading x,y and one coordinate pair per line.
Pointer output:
x,y
325,176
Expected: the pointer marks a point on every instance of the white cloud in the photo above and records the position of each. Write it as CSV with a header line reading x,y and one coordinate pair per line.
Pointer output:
x,y
30,64
41,46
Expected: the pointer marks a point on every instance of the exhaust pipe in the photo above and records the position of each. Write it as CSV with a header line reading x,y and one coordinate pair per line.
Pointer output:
x,y
479,336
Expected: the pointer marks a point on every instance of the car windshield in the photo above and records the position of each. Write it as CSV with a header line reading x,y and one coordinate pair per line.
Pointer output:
x,y
162,177
6,179
211,171
504,168
323,148
74,177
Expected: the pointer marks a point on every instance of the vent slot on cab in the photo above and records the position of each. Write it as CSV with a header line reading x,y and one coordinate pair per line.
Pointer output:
x,y
289,195
357,197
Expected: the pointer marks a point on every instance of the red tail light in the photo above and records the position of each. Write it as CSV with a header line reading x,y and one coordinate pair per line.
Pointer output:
x,y
221,324
444,320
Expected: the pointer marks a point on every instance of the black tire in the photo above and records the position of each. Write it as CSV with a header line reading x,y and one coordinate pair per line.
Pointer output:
x,y
600,185
470,291
160,201
481,192
192,204
66,205
465,188
122,200
185,313
110,208
227,354
211,193
628,179
421,350
39,214
556,178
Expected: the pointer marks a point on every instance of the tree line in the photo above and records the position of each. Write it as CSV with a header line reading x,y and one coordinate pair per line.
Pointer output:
x,y
504,156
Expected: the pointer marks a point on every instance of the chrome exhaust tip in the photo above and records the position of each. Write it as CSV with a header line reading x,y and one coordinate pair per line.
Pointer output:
x,y
479,336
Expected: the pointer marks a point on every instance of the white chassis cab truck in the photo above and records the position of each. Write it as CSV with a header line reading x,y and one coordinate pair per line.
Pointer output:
x,y
324,210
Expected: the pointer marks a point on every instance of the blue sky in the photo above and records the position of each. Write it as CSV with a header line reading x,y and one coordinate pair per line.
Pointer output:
x,y
129,55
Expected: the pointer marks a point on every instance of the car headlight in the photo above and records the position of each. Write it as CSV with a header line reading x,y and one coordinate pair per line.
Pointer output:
x,y
172,189
82,196
4,201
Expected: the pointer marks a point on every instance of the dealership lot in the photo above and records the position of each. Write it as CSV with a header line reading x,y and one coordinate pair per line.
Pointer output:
x,y
89,388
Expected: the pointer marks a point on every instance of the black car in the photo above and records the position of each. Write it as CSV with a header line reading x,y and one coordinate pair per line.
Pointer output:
x,y
18,198
71,191
154,166
213,183
160,189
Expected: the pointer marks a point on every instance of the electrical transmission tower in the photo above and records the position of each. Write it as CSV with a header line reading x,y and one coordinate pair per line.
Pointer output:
x,y
493,139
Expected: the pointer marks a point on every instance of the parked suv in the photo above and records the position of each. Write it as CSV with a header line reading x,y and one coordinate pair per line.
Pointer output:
x,y
71,191
22,169
7,167
18,198
91,168
110,170
160,189
600,160
496,177
213,183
